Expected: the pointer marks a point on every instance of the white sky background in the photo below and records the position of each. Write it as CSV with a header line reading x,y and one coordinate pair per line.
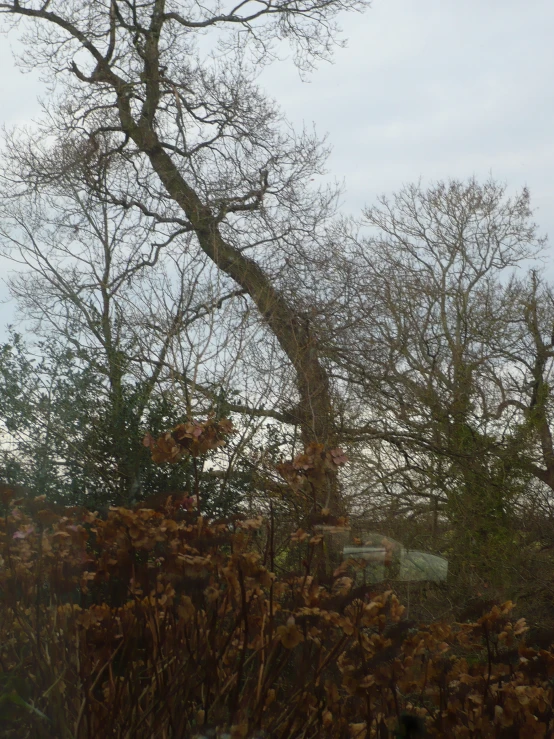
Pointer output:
x,y
426,89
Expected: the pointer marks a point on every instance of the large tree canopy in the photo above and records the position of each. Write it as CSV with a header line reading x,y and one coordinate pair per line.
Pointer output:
x,y
169,88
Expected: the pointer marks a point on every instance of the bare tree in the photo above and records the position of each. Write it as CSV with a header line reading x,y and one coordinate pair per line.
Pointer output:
x,y
121,293
228,168
439,347
525,391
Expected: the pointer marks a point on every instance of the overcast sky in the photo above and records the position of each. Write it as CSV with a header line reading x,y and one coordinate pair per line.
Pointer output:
x,y
429,89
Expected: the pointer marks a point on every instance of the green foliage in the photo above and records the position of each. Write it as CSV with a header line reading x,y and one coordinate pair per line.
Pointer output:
x,y
68,437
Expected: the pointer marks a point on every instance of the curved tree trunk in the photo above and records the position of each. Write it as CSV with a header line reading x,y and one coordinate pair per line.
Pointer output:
x,y
315,416
294,337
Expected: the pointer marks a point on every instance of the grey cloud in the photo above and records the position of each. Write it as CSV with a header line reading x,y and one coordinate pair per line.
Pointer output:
x,y
431,89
